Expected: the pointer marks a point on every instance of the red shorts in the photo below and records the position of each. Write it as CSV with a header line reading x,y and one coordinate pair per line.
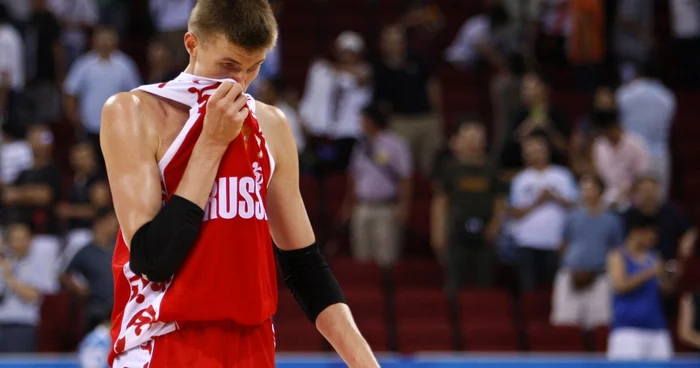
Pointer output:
x,y
207,344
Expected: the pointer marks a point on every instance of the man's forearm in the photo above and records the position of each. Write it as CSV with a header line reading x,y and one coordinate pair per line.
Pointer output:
x,y
26,293
338,327
196,183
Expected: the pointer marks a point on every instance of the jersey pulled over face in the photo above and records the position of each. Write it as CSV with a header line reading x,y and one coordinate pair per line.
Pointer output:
x,y
229,275
213,56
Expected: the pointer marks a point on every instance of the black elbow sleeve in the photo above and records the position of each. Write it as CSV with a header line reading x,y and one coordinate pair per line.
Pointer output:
x,y
160,246
310,280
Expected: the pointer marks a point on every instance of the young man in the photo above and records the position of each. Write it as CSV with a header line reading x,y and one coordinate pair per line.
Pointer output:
x,y
467,209
638,277
379,193
190,164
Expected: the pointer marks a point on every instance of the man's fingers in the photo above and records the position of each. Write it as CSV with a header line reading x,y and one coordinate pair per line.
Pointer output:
x,y
221,91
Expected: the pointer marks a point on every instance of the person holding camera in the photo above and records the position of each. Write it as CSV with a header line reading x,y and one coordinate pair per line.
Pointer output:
x,y
639,276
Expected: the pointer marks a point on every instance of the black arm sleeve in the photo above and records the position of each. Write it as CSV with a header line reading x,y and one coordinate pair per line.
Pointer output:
x,y
310,279
160,246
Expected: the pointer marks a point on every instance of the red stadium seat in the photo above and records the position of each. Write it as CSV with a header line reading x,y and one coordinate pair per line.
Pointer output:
x,y
545,338
421,305
417,273
287,307
299,335
355,275
426,335
690,280
490,335
485,304
600,338
376,334
537,306
367,305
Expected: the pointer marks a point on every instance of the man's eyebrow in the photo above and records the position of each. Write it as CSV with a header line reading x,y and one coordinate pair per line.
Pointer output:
x,y
230,60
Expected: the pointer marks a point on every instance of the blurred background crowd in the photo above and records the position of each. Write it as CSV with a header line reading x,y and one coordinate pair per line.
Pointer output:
x,y
482,174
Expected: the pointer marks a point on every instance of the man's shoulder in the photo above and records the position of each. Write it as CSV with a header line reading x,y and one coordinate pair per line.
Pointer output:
x,y
130,112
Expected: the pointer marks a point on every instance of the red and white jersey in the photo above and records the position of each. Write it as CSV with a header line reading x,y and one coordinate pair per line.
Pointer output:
x,y
230,272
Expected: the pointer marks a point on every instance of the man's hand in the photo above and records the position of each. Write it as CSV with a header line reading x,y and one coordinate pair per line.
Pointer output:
x,y
226,112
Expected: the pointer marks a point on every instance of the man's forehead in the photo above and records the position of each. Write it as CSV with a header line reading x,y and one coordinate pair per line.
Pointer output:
x,y
220,42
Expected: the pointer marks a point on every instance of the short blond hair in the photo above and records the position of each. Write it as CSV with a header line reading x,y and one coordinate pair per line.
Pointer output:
x,y
250,24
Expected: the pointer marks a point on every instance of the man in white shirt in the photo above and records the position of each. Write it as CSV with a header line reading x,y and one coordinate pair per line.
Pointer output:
x,y
685,23
15,153
27,272
95,77
647,108
170,20
334,96
11,64
541,196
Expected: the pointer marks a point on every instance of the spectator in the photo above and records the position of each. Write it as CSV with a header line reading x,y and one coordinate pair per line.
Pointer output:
x,y
79,210
15,153
586,49
33,196
113,13
638,277
20,10
271,69
633,35
541,196
77,18
479,39
333,99
689,321
94,349
539,116
95,77
581,290
45,63
26,272
160,68
553,30
676,234
619,158
270,91
379,191
647,108
422,20
170,20
685,23
93,262
580,155
11,67
404,82
467,209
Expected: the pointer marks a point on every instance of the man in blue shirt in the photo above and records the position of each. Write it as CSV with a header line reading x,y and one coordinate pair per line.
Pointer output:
x,y
581,289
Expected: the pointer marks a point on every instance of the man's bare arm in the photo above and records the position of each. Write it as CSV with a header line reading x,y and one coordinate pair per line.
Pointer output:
x,y
130,145
291,229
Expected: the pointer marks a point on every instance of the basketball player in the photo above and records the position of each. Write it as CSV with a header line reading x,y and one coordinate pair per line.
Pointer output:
x,y
203,177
